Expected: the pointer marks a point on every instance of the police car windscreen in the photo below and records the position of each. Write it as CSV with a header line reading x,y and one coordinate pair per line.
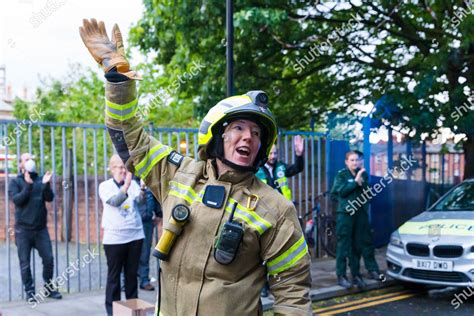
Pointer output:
x,y
460,199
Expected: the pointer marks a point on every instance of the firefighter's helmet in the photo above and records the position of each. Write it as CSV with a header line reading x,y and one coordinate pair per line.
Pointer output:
x,y
250,106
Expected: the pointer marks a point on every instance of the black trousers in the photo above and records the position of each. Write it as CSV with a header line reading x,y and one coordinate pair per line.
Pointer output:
x,y
26,240
126,257
144,262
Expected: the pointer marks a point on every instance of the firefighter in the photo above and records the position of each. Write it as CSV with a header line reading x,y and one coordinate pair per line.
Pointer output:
x,y
224,230
276,173
348,186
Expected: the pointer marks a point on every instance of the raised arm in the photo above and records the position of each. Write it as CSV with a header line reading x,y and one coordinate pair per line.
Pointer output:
x,y
48,193
298,166
343,187
142,154
20,195
295,168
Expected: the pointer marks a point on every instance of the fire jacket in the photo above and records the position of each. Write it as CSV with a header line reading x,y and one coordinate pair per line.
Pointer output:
x,y
193,282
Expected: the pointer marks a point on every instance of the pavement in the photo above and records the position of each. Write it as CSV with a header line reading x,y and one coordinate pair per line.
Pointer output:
x,y
91,302
324,281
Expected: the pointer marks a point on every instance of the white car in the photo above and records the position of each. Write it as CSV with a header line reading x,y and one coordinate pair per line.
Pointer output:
x,y
437,246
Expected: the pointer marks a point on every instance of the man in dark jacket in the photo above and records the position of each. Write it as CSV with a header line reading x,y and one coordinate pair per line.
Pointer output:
x,y
29,192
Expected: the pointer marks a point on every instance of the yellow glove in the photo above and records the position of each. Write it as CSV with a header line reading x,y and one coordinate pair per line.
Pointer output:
x,y
108,53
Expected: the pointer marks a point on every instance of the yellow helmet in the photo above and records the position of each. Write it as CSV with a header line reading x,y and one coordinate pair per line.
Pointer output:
x,y
251,106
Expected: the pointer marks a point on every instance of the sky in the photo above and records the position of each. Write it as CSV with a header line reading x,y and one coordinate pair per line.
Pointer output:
x,y
41,37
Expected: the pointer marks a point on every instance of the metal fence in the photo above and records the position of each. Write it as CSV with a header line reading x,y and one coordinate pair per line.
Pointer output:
x,y
436,164
78,154
435,169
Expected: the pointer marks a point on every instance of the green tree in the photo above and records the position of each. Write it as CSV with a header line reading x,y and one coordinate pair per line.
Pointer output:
x,y
78,97
319,58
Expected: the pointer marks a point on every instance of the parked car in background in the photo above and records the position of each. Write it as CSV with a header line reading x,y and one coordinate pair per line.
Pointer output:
x,y
437,246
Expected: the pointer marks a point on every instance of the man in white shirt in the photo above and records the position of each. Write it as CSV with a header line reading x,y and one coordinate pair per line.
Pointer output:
x,y
123,231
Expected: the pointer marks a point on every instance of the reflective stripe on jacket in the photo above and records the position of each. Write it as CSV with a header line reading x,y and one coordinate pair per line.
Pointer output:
x,y
280,181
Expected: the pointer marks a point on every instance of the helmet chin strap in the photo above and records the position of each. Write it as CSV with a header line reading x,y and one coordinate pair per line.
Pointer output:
x,y
238,167
218,152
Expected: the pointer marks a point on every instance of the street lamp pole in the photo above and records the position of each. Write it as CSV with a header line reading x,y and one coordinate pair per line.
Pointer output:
x,y
230,47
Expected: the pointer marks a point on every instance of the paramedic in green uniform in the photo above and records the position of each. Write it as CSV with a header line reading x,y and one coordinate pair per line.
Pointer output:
x,y
348,186
363,244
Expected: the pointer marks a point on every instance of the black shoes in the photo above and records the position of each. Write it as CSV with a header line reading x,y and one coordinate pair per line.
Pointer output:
x,y
359,282
356,280
377,276
264,292
30,297
147,287
342,281
55,294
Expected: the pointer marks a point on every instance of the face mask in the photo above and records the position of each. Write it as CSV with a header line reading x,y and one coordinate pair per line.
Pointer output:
x,y
30,166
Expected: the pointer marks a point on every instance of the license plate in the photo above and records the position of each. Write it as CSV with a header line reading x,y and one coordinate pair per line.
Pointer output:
x,y
433,265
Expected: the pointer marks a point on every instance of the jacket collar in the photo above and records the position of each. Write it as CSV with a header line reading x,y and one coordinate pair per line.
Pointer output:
x,y
230,176
348,172
118,184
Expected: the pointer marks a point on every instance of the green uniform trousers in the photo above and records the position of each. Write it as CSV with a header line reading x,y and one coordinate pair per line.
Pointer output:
x,y
354,239
362,244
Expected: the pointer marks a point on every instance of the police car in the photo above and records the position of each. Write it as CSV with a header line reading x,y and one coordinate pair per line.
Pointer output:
x,y
437,246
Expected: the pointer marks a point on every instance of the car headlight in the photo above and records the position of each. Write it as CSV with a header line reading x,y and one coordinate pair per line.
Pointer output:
x,y
395,239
